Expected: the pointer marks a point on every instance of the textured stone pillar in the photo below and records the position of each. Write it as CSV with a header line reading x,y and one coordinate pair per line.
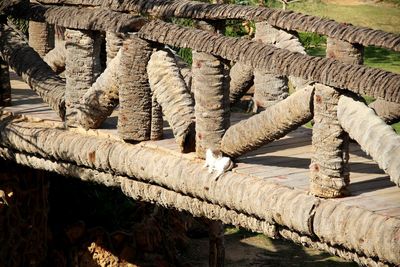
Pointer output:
x,y
329,163
241,80
113,44
217,244
82,68
157,121
269,125
210,83
353,54
5,86
344,51
55,58
134,117
268,87
41,37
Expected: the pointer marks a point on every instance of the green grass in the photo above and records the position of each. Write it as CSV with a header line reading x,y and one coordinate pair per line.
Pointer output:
x,y
382,58
382,17
396,127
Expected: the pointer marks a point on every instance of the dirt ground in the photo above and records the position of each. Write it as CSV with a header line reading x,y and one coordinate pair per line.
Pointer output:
x,y
244,248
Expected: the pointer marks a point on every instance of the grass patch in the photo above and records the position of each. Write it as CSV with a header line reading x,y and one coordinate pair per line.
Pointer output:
x,y
186,55
382,58
396,127
314,44
382,17
311,40
235,28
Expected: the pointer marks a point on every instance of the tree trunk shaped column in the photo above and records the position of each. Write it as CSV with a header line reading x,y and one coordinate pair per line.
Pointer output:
x,y
82,68
5,86
329,163
344,51
268,87
388,111
241,80
41,37
211,93
157,121
55,58
113,44
217,244
376,138
32,69
272,88
102,97
210,83
134,118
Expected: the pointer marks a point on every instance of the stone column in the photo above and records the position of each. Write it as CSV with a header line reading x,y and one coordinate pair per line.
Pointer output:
x,y
157,121
329,164
41,37
134,117
210,83
81,70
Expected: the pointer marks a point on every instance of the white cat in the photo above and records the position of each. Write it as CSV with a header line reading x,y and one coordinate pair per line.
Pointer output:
x,y
217,164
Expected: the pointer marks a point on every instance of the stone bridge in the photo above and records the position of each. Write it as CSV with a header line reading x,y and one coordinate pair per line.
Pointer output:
x,y
135,115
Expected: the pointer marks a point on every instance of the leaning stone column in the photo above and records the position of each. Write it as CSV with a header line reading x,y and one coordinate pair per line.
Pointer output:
x,y
82,68
28,64
272,123
55,58
389,112
241,79
376,138
329,163
134,117
170,92
5,86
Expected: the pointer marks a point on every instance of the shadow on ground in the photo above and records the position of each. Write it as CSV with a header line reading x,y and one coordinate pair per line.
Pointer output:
x,y
245,248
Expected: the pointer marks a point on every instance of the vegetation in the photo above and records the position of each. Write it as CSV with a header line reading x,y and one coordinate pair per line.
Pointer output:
x,y
385,17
